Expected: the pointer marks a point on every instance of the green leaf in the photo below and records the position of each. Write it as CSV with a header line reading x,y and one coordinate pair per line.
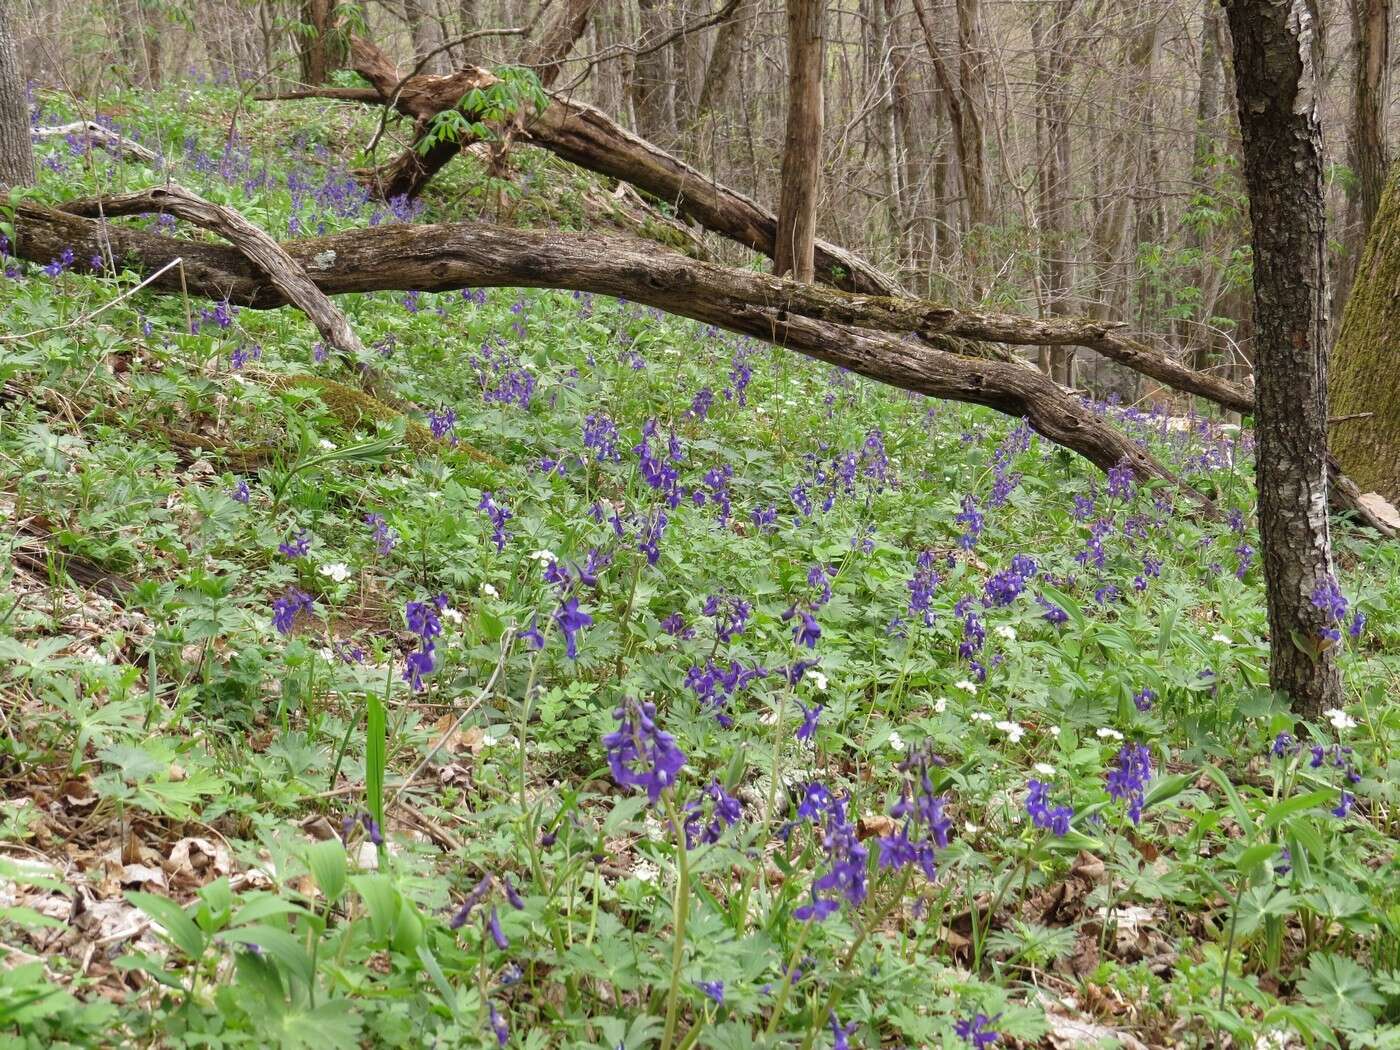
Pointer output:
x,y
327,863
375,735
280,945
1341,989
1167,788
1281,811
381,900
1164,633
179,927
1253,856
1232,796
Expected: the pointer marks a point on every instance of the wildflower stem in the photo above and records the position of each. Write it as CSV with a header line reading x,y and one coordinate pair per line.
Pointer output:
x,y
679,915
786,978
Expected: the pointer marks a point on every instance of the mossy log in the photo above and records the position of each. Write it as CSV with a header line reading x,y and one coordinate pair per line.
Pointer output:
x,y
1365,366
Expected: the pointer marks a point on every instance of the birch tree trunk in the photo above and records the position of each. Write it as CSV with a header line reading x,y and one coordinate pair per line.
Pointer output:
x,y
16,149
1277,51
802,146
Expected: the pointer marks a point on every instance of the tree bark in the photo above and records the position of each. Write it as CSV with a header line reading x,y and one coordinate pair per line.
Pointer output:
x,y
16,149
426,35
1365,360
1277,57
546,55
718,77
1053,148
1371,19
795,249
458,255
653,77
321,51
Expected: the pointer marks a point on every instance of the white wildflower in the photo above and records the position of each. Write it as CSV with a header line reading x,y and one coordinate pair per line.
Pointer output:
x,y
645,871
970,687
1105,733
543,555
1054,731
1013,730
1223,639
896,741
1006,631
490,591
1045,769
453,614
981,716
327,445
335,570
818,679
940,705
1339,718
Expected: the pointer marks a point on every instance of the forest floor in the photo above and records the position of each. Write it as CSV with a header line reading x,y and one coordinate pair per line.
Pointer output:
x,y
305,715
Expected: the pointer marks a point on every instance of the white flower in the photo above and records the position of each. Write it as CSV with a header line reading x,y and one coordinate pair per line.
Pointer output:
x,y
896,741
971,687
940,705
645,871
1054,731
452,614
1006,631
542,556
488,741
1339,718
490,591
336,570
1223,639
1045,769
1013,731
972,829
327,445
981,716
1105,733
818,679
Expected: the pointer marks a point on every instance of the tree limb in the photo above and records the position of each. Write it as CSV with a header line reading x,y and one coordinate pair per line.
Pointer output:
x,y
459,255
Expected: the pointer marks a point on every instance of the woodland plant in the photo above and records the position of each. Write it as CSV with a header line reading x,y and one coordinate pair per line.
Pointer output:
x,y
738,702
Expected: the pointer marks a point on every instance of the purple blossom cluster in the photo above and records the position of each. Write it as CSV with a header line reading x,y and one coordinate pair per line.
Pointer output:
x,y
1043,815
1127,780
708,816
716,687
640,753
422,620
845,878
923,825
498,516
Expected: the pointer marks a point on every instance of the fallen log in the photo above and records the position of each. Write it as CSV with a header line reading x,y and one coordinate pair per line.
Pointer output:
x,y
284,272
94,134
461,255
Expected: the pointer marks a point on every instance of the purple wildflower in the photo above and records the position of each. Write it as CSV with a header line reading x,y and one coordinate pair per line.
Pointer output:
x,y
975,1032
640,753
287,608
571,619
1127,780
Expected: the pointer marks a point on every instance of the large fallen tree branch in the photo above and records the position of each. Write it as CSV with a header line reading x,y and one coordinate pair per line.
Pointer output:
x,y
94,134
461,255
281,270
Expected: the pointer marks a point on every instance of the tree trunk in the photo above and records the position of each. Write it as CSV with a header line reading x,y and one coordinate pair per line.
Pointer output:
x,y
963,100
802,145
426,35
1053,149
1372,18
1277,58
1203,172
653,77
546,55
16,149
718,74
322,50
1365,360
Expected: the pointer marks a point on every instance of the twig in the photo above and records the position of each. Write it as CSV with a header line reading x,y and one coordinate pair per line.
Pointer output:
x,y
1349,418
177,261
486,691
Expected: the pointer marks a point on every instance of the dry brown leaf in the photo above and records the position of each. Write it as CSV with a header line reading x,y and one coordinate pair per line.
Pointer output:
x,y
876,824
1074,1033
469,739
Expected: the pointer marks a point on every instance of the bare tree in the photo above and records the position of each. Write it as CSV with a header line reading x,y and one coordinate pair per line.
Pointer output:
x,y
802,147
16,149
1278,55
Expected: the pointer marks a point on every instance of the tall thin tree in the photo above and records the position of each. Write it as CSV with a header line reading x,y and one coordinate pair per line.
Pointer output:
x,y
802,146
1278,56
16,148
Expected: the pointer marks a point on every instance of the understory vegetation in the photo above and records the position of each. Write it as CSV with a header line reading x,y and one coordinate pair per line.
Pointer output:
x,y
619,682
